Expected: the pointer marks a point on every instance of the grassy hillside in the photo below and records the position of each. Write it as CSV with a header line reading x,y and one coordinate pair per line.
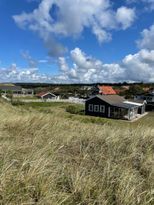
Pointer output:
x,y
50,157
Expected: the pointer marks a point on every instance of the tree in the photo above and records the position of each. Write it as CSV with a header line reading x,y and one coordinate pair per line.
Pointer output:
x,y
133,90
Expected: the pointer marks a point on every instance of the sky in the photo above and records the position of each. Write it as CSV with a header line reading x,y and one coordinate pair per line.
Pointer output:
x,y
79,41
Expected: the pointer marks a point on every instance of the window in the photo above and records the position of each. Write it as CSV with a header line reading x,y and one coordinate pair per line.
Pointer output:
x,y
102,108
96,108
90,107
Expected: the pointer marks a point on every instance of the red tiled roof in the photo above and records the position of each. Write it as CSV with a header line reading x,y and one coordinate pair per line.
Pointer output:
x,y
41,94
106,90
117,91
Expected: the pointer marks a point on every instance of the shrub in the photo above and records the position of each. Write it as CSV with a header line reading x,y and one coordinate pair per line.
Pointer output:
x,y
17,103
74,109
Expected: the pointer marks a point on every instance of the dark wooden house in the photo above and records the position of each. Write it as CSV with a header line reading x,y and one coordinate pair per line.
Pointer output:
x,y
149,98
113,106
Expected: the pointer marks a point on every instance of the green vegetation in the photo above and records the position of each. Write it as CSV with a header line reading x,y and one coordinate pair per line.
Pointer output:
x,y
75,109
1,93
25,98
49,156
9,94
133,90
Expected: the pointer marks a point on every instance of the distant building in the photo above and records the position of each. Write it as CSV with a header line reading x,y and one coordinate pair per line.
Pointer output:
x,y
103,90
47,96
113,106
26,91
106,90
125,87
148,97
16,90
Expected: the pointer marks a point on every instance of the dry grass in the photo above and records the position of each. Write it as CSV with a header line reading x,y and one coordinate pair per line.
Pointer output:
x,y
48,159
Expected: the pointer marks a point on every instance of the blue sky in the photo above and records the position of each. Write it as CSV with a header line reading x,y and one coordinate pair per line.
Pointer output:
x,y
76,41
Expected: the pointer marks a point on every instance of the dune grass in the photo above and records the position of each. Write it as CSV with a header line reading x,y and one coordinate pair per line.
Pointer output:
x,y
52,158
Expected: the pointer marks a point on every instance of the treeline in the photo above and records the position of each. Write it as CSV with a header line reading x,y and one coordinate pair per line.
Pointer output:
x,y
35,85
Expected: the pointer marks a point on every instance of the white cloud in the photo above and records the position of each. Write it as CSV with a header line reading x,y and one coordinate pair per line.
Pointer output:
x,y
71,18
140,66
125,16
16,74
86,69
147,40
62,64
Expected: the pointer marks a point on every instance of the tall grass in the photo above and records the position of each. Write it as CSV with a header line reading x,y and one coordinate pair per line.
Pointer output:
x,y
47,159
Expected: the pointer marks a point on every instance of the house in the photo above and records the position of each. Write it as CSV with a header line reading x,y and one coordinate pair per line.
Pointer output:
x,y
113,106
148,97
47,96
106,90
15,90
27,92
125,87
103,90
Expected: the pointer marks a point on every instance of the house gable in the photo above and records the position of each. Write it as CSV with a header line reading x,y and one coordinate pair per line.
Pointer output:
x,y
46,95
96,107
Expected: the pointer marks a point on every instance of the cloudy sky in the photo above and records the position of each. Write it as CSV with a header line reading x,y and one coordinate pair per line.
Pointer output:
x,y
76,41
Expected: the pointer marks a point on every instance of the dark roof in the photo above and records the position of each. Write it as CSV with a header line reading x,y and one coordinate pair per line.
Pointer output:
x,y
115,100
111,99
10,87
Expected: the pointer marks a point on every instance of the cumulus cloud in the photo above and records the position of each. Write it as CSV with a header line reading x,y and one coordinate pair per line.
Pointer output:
x,y
137,67
147,39
87,69
140,66
17,74
125,16
55,18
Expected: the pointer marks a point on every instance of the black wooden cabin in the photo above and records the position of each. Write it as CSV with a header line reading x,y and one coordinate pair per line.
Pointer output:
x,y
113,106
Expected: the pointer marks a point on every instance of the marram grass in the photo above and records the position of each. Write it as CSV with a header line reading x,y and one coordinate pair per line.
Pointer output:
x,y
49,159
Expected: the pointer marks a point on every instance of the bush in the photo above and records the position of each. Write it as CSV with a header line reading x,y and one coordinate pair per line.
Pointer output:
x,y
17,103
74,109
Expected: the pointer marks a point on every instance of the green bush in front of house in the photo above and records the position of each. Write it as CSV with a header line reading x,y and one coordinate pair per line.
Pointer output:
x,y
75,109
17,102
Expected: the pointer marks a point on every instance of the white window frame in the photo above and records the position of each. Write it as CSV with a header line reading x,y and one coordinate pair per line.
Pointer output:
x,y
96,108
90,107
102,108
